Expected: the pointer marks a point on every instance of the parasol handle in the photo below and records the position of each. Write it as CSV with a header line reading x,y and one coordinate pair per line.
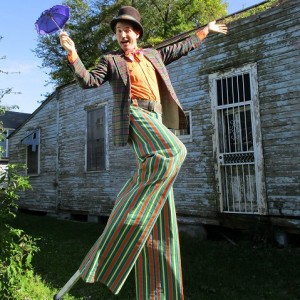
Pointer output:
x,y
60,29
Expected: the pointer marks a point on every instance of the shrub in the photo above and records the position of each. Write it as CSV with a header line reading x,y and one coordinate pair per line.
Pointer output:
x,y
17,248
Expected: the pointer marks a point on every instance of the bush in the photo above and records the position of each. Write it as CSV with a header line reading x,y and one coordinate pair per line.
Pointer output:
x,y
17,248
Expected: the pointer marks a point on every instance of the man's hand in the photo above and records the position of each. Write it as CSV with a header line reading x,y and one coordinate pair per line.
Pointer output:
x,y
67,43
219,28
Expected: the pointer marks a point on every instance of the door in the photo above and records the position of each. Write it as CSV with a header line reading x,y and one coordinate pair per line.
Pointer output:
x,y
237,141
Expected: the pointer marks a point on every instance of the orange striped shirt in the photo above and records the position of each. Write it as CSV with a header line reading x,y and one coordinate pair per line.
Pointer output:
x,y
143,79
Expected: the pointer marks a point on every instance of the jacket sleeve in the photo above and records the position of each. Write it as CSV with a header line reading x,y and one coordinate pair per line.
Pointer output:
x,y
93,78
175,51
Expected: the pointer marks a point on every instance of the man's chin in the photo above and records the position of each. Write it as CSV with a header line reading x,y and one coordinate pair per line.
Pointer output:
x,y
127,48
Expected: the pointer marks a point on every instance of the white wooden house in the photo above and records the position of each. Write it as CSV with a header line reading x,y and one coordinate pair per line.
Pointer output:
x,y
241,93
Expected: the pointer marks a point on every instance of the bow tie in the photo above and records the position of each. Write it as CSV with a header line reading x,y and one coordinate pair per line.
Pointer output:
x,y
130,54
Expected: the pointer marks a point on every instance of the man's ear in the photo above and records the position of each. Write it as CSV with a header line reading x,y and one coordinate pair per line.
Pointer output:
x,y
137,32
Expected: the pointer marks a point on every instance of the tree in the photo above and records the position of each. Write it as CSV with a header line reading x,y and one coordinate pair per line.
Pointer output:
x,y
89,27
175,17
5,91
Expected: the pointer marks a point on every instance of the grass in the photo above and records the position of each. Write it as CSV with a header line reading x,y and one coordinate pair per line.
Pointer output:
x,y
212,269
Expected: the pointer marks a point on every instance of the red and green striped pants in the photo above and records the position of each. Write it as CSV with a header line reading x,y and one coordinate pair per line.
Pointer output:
x,y
142,229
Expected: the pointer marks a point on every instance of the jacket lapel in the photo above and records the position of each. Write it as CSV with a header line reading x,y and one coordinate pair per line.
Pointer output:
x,y
153,59
121,66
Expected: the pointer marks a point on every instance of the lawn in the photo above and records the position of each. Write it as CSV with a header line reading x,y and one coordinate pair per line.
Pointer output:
x,y
214,269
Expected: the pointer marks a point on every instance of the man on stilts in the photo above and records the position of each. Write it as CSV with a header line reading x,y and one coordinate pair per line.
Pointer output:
x,y
142,229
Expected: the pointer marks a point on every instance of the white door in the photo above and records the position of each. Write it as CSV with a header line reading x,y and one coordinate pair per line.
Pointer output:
x,y
237,141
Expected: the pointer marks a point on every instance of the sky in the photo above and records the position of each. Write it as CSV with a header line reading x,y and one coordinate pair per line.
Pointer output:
x,y
29,84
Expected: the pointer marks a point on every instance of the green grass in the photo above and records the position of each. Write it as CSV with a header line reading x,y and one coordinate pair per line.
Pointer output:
x,y
212,270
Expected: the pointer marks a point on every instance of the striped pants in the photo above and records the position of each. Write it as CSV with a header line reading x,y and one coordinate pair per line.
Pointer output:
x,y
142,229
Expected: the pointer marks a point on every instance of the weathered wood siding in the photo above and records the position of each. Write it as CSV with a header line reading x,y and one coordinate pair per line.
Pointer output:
x,y
279,80
43,195
270,39
81,191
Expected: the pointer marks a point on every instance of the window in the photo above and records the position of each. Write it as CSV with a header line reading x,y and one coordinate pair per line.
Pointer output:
x,y
186,133
32,160
32,142
96,148
4,143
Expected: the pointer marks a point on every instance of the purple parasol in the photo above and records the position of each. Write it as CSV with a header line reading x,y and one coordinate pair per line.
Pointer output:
x,y
52,19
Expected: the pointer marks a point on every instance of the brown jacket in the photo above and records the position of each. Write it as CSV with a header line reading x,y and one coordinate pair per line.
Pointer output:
x,y
113,68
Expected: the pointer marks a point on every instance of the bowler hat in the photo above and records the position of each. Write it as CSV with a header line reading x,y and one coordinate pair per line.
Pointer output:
x,y
128,14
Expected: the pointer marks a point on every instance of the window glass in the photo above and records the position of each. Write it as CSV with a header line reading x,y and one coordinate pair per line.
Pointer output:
x,y
96,140
32,160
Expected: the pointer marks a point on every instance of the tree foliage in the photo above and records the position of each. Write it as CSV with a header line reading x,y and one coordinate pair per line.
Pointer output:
x,y
89,27
16,247
5,90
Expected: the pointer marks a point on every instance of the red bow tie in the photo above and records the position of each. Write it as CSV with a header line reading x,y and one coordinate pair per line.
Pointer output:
x,y
130,54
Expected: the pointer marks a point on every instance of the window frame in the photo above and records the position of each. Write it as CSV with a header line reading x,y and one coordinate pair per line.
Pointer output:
x,y
6,132
38,161
38,170
88,109
185,137
242,159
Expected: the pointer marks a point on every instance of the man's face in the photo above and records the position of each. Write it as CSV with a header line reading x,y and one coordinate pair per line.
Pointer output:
x,y
126,36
